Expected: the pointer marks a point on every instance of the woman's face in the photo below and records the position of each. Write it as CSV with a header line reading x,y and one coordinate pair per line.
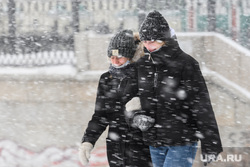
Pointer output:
x,y
153,45
118,61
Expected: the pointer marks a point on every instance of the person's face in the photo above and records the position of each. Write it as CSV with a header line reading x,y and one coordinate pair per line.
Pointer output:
x,y
153,45
118,61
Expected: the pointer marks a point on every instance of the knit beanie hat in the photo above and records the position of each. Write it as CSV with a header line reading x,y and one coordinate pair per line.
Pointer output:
x,y
154,27
122,44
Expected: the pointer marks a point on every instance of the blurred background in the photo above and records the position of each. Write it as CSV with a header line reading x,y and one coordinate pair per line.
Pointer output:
x,y
52,53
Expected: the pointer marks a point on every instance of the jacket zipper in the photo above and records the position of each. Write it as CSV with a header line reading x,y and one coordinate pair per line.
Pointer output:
x,y
155,78
150,57
119,85
155,83
156,71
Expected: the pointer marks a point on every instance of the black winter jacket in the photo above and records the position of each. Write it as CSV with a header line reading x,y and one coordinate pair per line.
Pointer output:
x,y
173,91
124,144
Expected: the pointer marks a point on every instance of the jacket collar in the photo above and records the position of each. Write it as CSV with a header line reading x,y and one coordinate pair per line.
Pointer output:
x,y
121,73
163,54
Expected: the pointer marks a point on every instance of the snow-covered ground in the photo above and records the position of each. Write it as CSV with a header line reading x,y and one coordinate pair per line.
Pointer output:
x,y
12,155
45,70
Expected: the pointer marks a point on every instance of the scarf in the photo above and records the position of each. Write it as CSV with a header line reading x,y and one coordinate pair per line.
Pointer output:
x,y
121,71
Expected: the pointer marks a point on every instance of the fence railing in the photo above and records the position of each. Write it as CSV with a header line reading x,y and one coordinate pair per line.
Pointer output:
x,y
60,17
37,50
46,58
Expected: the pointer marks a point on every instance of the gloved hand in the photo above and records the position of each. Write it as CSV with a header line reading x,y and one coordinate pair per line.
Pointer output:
x,y
133,104
143,122
84,152
208,158
131,108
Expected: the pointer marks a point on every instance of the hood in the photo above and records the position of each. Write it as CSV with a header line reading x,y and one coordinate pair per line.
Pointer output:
x,y
166,52
139,52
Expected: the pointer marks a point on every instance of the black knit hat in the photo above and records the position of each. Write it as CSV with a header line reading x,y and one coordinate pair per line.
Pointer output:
x,y
122,44
154,27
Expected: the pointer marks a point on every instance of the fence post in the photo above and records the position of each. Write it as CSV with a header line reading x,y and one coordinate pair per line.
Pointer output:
x,y
191,16
183,10
81,51
12,25
234,24
75,13
211,15
142,9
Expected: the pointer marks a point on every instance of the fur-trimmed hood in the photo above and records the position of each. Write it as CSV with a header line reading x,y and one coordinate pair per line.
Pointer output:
x,y
139,49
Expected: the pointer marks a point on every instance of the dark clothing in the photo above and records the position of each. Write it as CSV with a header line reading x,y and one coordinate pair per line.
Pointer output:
x,y
173,91
124,144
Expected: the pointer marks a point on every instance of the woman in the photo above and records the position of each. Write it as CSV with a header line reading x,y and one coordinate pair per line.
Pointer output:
x,y
116,88
176,109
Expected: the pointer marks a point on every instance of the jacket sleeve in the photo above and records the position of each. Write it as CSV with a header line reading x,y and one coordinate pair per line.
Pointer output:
x,y
98,123
202,111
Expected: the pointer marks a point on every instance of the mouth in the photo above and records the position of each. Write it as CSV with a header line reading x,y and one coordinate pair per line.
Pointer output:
x,y
116,65
151,50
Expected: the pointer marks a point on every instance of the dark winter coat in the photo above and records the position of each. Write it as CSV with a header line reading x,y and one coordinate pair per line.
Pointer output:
x,y
124,144
173,91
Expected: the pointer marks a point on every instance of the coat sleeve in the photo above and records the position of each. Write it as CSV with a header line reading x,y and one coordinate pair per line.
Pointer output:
x,y
98,122
202,111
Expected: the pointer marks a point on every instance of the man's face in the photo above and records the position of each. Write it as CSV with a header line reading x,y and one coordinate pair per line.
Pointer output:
x,y
153,45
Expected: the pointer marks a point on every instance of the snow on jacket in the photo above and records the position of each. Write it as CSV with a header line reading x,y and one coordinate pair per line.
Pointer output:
x,y
173,91
124,145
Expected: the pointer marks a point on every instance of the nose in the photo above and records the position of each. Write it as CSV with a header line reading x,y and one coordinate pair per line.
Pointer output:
x,y
148,42
116,60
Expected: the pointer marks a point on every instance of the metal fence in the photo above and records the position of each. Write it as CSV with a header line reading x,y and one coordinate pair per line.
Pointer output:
x,y
37,50
32,27
35,33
